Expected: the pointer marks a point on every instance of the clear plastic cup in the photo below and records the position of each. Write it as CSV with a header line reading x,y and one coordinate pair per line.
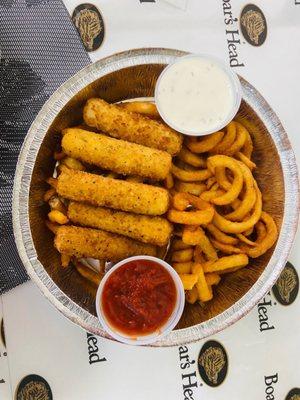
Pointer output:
x,y
236,91
165,329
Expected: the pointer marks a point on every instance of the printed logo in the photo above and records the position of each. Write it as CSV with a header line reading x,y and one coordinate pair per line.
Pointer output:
x,y
33,387
253,25
287,287
90,25
293,394
212,363
2,333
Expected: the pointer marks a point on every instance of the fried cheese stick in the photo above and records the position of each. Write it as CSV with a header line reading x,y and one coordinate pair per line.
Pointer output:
x,y
116,155
154,230
133,127
113,193
86,242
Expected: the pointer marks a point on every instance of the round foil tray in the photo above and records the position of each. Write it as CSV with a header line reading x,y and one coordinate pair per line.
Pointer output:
x,y
128,75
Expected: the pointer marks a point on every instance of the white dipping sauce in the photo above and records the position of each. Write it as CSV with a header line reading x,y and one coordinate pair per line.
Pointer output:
x,y
195,95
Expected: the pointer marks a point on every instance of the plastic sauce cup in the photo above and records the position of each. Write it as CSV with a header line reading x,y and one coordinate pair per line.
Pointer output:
x,y
197,94
163,330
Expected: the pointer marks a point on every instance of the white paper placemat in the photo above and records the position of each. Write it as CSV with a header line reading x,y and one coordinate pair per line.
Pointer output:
x,y
257,357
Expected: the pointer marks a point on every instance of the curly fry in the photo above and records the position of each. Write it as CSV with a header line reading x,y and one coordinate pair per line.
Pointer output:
x,y
227,140
183,255
72,163
141,107
212,278
261,231
210,182
188,280
221,236
248,231
195,188
181,201
226,248
244,239
190,175
196,236
178,244
205,144
226,263
250,164
232,193
191,296
249,197
58,217
238,227
204,290
267,242
183,267
190,158
241,137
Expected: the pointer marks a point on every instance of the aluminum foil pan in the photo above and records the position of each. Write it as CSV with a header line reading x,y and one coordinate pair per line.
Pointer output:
x,y
132,74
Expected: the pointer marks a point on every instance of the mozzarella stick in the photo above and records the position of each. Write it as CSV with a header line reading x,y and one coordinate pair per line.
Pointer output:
x,y
133,127
116,155
86,242
154,230
113,193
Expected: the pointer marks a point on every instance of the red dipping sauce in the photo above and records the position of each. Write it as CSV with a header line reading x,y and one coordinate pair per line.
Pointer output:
x,y
139,297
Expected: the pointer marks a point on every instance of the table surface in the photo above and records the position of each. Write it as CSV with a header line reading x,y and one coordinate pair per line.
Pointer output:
x,y
263,348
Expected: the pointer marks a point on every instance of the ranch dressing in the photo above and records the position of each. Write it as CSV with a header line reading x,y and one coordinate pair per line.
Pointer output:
x,y
196,95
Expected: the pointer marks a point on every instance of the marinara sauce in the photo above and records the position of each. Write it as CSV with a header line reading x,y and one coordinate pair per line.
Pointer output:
x,y
139,297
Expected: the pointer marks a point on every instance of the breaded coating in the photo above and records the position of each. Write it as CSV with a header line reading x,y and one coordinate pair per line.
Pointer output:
x,y
113,193
116,155
86,242
133,127
154,230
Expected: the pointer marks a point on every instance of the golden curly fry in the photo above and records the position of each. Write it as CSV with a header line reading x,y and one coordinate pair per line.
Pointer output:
x,y
267,242
227,140
240,139
183,267
195,188
249,198
196,236
250,164
233,192
191,296
205,144
226,248
141,107
190,175
190,158
188,280
244,239
58,217
226,263
182,255
239,227
221,236
204,290
212,278
181,201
